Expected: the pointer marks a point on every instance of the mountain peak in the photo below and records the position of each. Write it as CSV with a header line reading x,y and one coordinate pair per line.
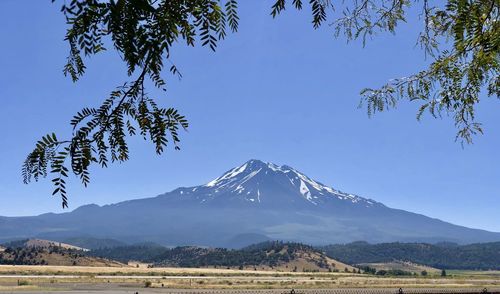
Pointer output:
x,y
258,182
255,164
246,171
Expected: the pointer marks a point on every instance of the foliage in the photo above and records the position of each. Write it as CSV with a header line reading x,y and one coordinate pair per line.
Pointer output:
x,y
368,270
482,256
391,272
461,36
143,32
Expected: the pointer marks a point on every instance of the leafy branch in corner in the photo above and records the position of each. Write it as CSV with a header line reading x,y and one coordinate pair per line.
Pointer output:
x,y
143,32
463,38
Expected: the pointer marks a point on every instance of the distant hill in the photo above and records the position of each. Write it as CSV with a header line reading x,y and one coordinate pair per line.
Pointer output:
x,y
147,253
52,256
77,243
480,256
41,243
268,255
93,243
258,201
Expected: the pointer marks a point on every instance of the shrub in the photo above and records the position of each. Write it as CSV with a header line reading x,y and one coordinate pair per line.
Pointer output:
x,y
23,283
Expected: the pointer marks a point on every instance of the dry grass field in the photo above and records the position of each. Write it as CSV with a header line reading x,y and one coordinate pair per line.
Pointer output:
x,y
141,271
37,278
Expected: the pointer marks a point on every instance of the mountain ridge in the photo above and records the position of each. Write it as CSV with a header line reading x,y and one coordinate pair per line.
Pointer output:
x,y
482,256
256,199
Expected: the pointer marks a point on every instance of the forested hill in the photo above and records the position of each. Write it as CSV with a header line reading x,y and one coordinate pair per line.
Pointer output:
x,y
51,255
267,255
483,256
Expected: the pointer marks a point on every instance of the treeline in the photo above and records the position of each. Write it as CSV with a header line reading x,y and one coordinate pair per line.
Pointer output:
x,y
392,272
92,243
269,254
147,253
481,256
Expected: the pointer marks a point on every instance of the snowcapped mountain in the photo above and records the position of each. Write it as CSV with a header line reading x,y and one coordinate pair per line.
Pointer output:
x,y
259,185
266,184
253,202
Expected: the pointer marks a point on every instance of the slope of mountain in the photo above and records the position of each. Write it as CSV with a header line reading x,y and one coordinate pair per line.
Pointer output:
x,y
256,199
483,256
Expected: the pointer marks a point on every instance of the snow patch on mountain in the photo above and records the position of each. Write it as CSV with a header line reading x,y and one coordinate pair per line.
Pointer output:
x,y
231,174
305,191
246,179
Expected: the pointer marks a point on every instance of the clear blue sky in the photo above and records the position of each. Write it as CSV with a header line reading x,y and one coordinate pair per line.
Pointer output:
x,y
277,90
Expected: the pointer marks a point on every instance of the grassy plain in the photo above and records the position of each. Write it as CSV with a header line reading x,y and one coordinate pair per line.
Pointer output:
x,y
35,278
